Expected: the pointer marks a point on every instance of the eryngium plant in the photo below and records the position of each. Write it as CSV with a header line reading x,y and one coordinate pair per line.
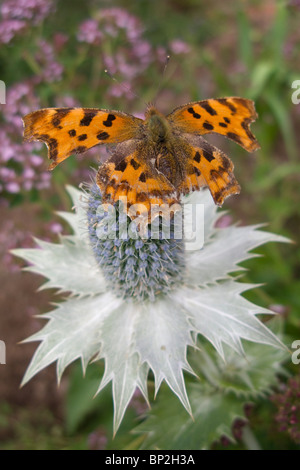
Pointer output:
x,y
141,304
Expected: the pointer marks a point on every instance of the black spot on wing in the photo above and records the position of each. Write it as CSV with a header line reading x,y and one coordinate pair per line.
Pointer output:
x,y
143,178
79,149
135,164
87,118
121,166
51,143
142,197
208,155
193,113
82,137
197,157
208,126
72,133
229,105
245,125
205,105
102,136
235,137
227,164
59,115
108,122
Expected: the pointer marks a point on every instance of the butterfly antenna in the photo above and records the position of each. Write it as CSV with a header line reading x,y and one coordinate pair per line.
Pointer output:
x,y
161,79
126,88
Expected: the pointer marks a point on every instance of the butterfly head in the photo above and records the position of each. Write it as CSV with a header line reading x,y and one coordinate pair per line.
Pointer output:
x,y
157,125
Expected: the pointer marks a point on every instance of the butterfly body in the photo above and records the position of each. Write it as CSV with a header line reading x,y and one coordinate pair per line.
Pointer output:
x,y
155,160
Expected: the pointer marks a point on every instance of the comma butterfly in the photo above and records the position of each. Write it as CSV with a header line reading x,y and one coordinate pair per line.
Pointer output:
x,y
156,160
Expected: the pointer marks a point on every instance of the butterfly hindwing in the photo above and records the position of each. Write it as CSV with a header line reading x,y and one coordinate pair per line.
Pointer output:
x,y
230,117
208,166
134,177
68,131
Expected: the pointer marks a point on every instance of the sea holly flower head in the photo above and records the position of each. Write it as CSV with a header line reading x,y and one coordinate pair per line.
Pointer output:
x,y
139,303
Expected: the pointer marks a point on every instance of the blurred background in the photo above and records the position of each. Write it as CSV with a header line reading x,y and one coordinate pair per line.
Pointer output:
x,y
54,53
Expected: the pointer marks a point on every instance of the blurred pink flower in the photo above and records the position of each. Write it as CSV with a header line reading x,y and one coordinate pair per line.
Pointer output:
x,y
132,53
177,46
9,28
89,32
66,102
11,237
59,40
55,227
16,15
224,221
21,169
97,440
20,100
287,402
51,70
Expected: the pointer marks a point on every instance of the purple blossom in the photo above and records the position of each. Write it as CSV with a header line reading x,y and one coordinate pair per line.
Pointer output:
x,y
21,169
9,28
59,41
116,90
131,57
66,102
11,237
294,3
97,440
55,227
34,10
20,100
288,405
138,403
282,310
16,15
161,54
89,32
51,70
121,19
177,46
224,221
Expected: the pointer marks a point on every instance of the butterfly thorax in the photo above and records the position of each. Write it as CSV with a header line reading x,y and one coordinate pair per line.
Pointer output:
x,y
160,140
157,126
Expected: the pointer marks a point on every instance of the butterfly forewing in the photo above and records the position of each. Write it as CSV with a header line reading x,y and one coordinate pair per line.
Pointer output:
x,y
230,117
68,131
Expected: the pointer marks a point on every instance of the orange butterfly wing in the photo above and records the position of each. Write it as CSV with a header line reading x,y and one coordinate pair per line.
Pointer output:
x,y
230,117
208,166
68,131
129,173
